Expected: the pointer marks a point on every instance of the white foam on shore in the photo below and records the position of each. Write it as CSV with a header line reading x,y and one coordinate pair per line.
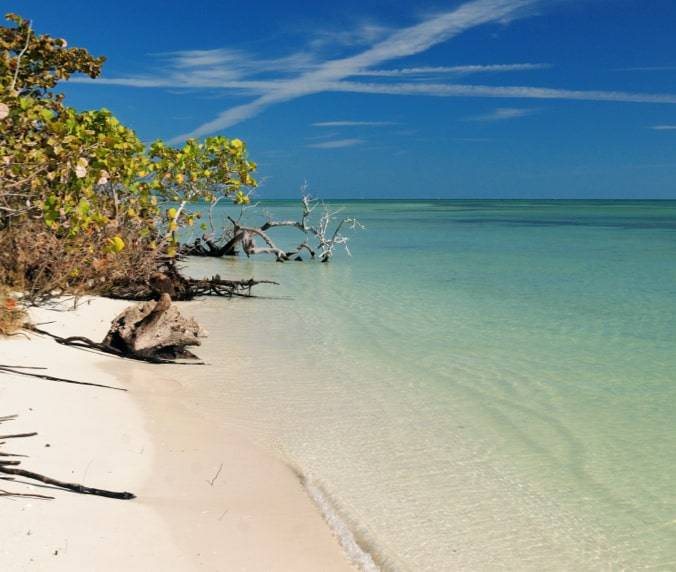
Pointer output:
x,y
357,555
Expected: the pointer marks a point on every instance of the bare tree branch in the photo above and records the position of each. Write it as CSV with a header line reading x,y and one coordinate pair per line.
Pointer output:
x,y
12,87
328,233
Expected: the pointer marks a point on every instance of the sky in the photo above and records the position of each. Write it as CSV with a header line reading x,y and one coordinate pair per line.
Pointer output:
x,y
396,99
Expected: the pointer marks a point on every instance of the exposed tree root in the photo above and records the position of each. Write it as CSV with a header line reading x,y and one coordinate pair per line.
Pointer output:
x,y
10,468
18,436
4,493
86,343
216,286
181,288
77,488
20,371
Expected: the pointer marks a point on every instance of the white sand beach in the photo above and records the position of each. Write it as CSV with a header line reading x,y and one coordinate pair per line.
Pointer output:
x,y
207,498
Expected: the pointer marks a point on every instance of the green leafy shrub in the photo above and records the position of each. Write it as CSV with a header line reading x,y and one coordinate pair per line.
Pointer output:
x,y
83,183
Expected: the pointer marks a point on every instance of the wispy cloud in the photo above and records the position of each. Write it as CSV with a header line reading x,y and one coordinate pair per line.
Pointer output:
x,y
501,114
231,69
272,81
324,135
650,68
664,127
519,92
399,44
354,123
362,34
336,144
218,68
457,70
199,58
217,63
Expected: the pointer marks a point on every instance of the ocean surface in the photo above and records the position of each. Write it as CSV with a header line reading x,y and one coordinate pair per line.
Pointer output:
x,y
483,385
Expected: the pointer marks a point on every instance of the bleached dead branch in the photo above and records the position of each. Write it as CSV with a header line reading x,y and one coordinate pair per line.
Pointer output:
x,y
327,233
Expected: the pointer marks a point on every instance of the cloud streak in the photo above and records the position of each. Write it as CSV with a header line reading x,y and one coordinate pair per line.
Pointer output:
x,y
402,43
429,89
354,123
195,69
517,92
273,81
457,70
664,127
501,114
650,68
336,144
363,34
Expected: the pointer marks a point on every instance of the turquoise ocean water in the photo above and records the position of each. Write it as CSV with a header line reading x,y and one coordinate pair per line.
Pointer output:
x,y
483,385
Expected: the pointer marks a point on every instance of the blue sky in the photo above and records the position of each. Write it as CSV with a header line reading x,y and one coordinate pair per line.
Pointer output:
x,y
370,99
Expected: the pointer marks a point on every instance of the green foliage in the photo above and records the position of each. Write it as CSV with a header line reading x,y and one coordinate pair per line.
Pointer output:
x,y
84,173
75,170
32,64
199,171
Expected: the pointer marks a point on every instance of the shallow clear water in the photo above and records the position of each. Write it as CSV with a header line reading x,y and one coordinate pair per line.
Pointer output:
x,y
483,385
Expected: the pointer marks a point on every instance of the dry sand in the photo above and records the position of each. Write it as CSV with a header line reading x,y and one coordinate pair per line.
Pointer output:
x,y
208,499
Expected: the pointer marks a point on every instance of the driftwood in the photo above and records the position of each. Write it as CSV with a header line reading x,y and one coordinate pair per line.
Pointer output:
x,y
88,344
10,468
326,233
155,329
180,287
216,286
153,332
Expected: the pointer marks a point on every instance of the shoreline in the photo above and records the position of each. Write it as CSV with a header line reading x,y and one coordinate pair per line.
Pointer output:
x,y
208,498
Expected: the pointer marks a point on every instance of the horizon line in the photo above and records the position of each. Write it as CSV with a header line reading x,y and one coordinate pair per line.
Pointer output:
x,y
322,199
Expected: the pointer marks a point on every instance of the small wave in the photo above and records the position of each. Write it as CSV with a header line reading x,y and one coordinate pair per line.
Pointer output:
x,y
357,555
